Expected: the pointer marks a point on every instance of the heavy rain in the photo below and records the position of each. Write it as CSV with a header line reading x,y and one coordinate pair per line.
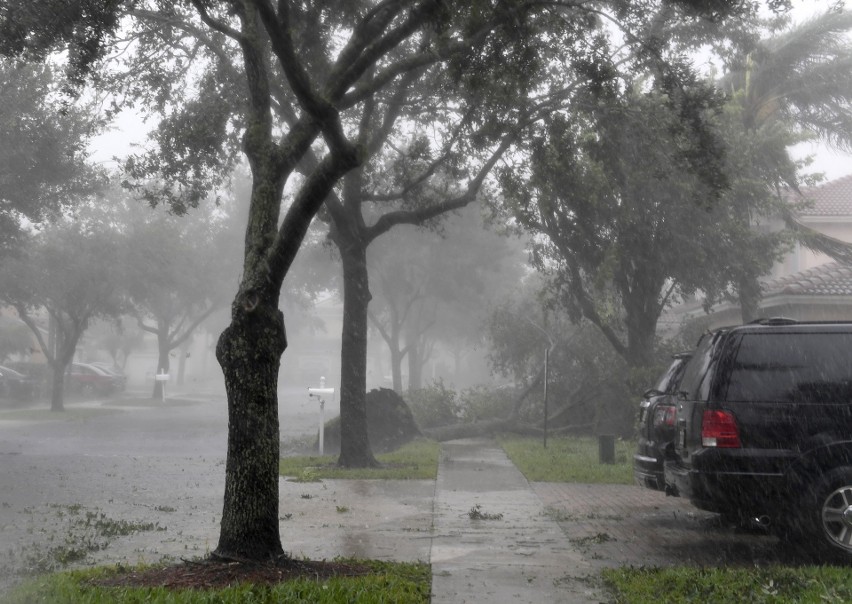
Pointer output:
x,y
425,301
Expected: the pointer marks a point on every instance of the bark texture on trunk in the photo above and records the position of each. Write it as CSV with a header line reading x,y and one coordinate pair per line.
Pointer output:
x,y
355,450
750,295
57,390
249,351
415,365
396,368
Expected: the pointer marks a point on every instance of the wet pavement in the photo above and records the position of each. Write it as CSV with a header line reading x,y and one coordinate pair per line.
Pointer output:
x,y
494,541
145,483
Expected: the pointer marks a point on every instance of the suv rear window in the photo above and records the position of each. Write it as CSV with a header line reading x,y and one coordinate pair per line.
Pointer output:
x,y
791,367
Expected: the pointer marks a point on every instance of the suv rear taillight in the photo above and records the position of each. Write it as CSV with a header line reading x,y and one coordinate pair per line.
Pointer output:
x,y
719,429
664,415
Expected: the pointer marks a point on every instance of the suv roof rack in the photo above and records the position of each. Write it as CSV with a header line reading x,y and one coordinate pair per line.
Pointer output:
x,y
774,321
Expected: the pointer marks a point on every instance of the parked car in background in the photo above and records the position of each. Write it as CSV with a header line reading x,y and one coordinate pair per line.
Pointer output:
x,y
17,386
656,428
764,430
87,379
111,369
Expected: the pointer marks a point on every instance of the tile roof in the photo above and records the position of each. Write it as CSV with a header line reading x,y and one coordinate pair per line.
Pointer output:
x,y
830,199
831,279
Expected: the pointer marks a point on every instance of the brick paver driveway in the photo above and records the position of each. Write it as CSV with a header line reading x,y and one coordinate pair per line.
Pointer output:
x,y
617,525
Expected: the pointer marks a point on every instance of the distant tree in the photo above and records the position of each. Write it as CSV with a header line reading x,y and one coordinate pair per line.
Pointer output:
x,y
43,163
178,273
118,337
15,338
68,271
585,392
437,287
628,222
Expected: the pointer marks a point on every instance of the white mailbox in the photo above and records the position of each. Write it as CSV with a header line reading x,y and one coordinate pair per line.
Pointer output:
x,y
320,394
162,377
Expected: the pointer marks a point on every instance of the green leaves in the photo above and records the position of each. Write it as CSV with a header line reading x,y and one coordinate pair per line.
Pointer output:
x,y
82,27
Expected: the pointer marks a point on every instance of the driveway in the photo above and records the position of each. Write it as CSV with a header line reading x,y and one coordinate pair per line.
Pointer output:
x,y
627,525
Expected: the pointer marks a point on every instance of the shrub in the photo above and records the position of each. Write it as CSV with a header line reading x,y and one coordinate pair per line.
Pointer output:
x,y
435,405
482,403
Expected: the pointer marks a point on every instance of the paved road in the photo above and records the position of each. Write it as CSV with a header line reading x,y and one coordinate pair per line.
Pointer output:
x,y
156,472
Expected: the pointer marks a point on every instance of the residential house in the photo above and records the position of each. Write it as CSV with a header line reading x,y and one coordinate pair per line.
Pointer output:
x,y
805,285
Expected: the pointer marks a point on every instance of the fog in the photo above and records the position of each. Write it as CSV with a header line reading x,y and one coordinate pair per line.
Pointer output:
x,y
510,243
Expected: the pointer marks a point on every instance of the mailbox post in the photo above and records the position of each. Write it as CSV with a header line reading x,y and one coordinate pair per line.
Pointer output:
x,y
162,377
320,394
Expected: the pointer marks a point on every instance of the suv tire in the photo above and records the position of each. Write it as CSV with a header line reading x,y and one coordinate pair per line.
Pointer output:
x,y
826,514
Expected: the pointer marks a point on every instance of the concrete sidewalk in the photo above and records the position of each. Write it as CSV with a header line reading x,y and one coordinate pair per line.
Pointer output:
x,y
514,552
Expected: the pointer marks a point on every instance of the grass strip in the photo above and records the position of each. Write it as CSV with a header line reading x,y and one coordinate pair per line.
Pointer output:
x,y
764,585
568,459
388,582
416,460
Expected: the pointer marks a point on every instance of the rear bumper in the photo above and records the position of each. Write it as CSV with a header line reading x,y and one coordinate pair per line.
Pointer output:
x,y
750,493
648,472
648,465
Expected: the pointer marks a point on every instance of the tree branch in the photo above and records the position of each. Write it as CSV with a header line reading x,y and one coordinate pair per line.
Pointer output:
x,y
323,111
300,215
215,25
418,216
29,322
192,326
379,327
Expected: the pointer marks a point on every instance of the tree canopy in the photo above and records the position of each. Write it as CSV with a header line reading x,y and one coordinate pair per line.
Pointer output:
x,y
43,160
70,271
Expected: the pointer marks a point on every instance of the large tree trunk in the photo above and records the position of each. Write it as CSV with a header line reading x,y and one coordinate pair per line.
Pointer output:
x,y
184,354
63,354
415,365
355,451
249,351
750,295
641,333
57,389
57,367
396,367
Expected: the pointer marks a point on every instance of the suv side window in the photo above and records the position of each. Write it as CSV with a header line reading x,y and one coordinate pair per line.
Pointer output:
x,y
794,368
696,377
671,378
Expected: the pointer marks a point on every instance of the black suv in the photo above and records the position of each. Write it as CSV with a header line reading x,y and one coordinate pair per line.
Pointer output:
x,y
656,428
764,428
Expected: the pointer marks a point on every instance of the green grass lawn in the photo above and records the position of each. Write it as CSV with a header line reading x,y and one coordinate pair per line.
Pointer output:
x,y
388,582
417,460
770,585
569,459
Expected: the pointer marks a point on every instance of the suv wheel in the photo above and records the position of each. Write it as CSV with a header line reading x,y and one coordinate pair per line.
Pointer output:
x,y
828,512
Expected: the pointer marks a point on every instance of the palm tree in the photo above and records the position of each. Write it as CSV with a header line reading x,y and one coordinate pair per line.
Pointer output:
x,y
791,87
